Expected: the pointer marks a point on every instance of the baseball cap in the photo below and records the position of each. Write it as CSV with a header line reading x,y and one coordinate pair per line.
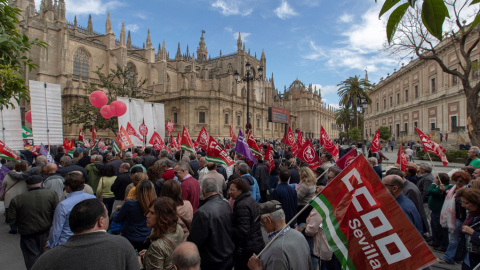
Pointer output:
x,y
269,207
34,179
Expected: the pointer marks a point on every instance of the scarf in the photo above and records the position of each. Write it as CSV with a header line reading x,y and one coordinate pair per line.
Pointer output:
x,y
471,216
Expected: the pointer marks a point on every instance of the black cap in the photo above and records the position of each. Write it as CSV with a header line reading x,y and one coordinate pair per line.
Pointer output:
x,y
269,207
33,180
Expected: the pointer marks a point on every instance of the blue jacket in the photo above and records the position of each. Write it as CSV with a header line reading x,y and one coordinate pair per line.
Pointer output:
x,y
287,196
252,183
135,223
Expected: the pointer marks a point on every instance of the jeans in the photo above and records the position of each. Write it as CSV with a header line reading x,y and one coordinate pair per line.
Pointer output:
x,y
273,181
109,204
453,238
439,234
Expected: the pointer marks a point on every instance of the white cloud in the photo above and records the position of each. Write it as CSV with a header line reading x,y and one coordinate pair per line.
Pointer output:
x,y
346,18
327,89
244,35
132,27
141,16
316,52
95,7
369,35
284,11
232,7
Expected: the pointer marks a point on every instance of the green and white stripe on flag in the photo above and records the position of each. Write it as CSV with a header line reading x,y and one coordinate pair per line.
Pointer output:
x,y
216,160
188,148
116,148
335,237
7,157
26,132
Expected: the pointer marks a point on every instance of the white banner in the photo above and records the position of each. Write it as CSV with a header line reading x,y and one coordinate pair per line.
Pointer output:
x,y
125,118
11,126
46,103
148,119
159,119
136,118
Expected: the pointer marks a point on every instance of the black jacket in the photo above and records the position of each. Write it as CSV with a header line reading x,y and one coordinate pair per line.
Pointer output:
x,y
212,231
195,167
247,234
119,186
261,174
70,168
148,160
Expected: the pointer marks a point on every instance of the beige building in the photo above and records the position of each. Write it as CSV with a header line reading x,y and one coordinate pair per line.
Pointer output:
x,y
421,95
197,89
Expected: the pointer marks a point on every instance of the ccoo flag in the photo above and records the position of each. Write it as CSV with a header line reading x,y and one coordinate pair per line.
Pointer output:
x,y
376,146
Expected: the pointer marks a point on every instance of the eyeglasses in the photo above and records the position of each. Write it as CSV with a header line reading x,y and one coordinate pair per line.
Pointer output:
x,y
175,172
232,189
389,185
456,180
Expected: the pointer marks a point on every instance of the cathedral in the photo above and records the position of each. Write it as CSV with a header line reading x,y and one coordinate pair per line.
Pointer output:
x,y
196,88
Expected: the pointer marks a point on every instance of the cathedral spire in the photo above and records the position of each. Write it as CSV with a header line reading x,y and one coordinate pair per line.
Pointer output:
x,y
149,40
129,41
239,42
263,54
90,25
108,25
188,53
61,11
202,49
164,51
55,10
123,42
75,22
179,53
49,5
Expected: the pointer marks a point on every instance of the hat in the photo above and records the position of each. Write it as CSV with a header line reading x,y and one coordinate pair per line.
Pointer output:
x,y
79,149
34,179
269,207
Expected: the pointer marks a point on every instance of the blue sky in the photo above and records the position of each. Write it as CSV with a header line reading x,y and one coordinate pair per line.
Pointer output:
x,y
322,42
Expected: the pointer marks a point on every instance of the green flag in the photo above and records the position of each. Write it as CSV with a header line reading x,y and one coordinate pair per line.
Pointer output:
x,y
26,132
116,148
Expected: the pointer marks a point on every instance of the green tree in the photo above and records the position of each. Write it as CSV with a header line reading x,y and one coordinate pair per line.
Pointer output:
x,y
385,133
354,133
343,117
14,45
413,37
119,82
350,92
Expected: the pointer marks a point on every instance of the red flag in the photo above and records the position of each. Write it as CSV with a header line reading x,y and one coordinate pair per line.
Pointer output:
x,y
216,153
202,139
7,153
187,144
80,135
347,159
376,146
291,141
156,141
254,146
365,226
430,146
123,140
227,146
67,145
269,158
179,141
35,149
300,140
328,143
307,153
232,135
131,131
86,143
94,133
402,159
102,145
173,143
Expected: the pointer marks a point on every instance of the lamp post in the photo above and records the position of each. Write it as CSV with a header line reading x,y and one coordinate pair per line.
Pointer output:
x,y
247,79
364,104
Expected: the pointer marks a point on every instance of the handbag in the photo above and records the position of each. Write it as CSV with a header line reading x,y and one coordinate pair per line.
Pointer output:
x,y
2,198
100,196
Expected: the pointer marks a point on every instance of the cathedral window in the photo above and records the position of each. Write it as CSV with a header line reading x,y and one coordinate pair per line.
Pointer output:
x,y
201,117
81,63
175,118
226,119
238,120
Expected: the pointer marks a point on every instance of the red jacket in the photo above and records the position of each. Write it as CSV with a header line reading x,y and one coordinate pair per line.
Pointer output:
x,y
191,191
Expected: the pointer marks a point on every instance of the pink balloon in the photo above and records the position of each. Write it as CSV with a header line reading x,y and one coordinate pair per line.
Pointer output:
x,y
106,112
118,108
98,99
28,116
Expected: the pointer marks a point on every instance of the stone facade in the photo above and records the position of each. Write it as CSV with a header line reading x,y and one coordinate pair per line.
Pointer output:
x,y
421,95
197,90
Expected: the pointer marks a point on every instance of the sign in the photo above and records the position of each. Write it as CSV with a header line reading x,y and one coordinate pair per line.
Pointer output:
x,y
216,153
278,115
143,129
170,126
364,225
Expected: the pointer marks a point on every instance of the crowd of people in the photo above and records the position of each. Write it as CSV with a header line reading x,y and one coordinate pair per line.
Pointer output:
x,y
152,209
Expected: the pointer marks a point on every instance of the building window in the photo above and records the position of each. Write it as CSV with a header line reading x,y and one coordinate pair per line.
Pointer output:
x,y
377,106
226,119
453,123
384,104
175,118
432,125
238,120
267,124
406,95
391,101
415,123
434,85
201,117
475,68
80,64
258,123
454,79
398,98
416,91
406,128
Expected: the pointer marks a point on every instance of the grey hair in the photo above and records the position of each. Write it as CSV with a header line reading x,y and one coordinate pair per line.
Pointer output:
x,y
476,150
276,216
183,166
137,160
93,157
209,185
426,167
165,163
66,159
41,160
186,256
99,158
244,169
373,160
163,153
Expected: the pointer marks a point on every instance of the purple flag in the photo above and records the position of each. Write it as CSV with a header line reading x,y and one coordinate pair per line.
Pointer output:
x,y
3,172
242,147
44,152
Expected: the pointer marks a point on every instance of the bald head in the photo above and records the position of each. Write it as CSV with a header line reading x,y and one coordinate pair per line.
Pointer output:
x,y
394,184
186,257
51,168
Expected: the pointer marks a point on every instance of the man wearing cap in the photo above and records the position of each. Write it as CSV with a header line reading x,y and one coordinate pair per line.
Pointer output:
x,y
289,250
32,212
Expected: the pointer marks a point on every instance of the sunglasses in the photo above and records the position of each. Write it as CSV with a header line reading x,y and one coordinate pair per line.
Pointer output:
x,y
456,180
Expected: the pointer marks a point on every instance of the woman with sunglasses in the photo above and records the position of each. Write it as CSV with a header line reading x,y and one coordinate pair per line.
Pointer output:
x,y
453,215
470,199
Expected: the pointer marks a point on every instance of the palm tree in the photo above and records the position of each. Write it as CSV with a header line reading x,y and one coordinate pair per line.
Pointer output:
x,y
343,117
351,91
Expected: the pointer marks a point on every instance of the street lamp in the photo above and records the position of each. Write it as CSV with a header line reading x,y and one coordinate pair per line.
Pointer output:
x,y
363,106
247,79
